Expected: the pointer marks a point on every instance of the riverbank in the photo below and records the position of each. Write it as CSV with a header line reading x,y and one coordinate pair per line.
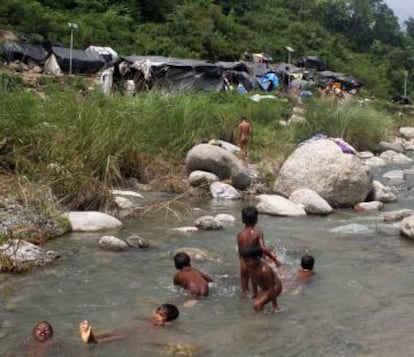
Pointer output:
x,y
65,151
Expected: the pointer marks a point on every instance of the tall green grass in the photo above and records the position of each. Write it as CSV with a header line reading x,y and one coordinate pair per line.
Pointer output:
x,y
360,125
81,145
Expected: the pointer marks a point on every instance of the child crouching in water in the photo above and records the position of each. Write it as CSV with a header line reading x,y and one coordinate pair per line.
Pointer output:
x,y
263,277
191,279
306,271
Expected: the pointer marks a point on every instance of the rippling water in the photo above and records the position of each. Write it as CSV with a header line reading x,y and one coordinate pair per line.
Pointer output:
x,y
358,304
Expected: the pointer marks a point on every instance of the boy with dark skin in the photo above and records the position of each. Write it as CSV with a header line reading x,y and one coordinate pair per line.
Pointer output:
x,y
41,343
245,132
306,271
248,237
161,316
264,277
190,278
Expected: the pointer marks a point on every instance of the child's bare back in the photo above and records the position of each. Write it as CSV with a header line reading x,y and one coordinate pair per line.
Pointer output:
x,y
191,279
251,237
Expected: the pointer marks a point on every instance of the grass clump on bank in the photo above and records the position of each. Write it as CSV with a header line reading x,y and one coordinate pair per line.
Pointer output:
x,y
361,126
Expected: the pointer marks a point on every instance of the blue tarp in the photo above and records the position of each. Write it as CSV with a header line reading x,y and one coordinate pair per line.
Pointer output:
x,y
268,82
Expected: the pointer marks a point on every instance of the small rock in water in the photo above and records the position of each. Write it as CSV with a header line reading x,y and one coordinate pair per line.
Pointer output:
x,y
137,242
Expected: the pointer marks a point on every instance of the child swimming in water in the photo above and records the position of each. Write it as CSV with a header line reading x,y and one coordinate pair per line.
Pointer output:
x,y
306,271
190,278
161,316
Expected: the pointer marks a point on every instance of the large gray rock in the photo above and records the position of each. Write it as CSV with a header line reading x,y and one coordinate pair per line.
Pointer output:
x,y
341,179
21,253
224,191
224,164
199,178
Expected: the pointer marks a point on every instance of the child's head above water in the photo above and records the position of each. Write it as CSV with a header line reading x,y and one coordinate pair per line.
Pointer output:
x,y
165,313
42,331
249,215
182,260
307,262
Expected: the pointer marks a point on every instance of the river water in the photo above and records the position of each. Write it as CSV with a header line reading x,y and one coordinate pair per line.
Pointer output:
x,y
359,303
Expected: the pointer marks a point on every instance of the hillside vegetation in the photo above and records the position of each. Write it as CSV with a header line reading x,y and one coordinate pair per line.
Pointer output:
x,y
360,37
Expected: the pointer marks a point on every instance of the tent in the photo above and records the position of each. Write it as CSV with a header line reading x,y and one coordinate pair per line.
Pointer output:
x,y
171,74
82,61
12,51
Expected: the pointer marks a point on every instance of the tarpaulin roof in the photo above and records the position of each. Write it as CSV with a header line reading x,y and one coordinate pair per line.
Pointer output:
x,y
12,51
82,61
346,79
107,53
175,74
158,61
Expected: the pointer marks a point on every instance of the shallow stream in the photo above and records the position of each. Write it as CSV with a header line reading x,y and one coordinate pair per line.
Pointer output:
x,y
359,303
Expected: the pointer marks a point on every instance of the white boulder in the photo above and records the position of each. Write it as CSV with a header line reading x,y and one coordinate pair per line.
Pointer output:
x,y
276,205
340,178
91,221
311,201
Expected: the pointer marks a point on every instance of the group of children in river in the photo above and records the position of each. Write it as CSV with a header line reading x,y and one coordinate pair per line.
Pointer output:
x,y
256,269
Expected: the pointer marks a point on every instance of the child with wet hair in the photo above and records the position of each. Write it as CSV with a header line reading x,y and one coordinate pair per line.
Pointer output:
x,y
306,271
165,313
42,331
161,316
263,277
191,279
41,343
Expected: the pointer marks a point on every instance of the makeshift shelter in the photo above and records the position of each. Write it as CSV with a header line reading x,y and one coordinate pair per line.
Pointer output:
x,y
82,62
170,74
13,51
347,81
243,73
107,54
312,62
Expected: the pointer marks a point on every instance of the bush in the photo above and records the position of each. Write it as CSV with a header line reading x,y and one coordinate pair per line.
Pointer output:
x,y
361,126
